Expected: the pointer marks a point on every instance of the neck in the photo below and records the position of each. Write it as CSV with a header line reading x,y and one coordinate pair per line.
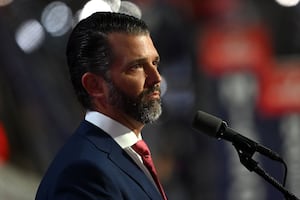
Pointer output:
x,y
124,119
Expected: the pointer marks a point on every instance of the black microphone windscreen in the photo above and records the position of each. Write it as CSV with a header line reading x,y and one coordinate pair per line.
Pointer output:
x,y
207,123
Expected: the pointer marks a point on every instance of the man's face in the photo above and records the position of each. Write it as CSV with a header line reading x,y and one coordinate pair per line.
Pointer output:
x,y
134,87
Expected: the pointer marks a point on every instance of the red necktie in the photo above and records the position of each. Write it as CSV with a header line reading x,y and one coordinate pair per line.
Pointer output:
x,y
142,149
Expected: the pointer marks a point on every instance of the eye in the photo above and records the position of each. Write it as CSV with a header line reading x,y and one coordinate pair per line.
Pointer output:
x,y
156,63
136,66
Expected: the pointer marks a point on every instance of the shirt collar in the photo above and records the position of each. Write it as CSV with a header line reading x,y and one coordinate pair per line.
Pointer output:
x,y
120,133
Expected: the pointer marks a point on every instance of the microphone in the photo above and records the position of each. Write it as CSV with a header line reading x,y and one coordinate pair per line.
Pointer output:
x,y
216,127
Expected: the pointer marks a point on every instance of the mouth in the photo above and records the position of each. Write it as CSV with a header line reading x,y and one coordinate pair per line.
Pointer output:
x,y
154,95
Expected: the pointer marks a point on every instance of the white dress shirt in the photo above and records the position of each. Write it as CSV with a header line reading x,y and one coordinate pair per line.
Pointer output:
x,y
121,135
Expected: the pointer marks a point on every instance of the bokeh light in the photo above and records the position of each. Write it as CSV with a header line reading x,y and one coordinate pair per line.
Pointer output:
x,y
114,4
57,18
5,2
130,8
94,6
287,3
30,35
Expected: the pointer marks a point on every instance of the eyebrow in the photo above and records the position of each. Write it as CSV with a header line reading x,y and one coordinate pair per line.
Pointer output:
x,y
142,60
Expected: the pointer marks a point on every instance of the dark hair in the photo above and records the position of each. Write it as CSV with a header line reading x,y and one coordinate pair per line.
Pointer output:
x,y
88,49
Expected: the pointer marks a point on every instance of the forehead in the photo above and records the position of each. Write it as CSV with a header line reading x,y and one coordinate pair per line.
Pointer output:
x,y
139,45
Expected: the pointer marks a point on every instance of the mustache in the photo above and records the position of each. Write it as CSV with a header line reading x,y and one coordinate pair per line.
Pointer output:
x,y
148,91
155,88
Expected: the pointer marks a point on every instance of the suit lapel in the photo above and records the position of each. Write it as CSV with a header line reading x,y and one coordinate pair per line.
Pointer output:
x,y
125,163
120,158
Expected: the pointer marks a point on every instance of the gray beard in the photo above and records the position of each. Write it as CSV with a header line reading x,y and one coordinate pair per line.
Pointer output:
x,y
140,108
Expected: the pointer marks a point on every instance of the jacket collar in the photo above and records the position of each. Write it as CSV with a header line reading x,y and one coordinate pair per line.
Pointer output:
x,y
119,157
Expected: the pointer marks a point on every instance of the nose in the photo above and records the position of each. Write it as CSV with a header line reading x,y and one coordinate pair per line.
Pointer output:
x,y
153,76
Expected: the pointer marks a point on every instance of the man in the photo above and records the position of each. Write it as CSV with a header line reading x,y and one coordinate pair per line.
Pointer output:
x,y
114,69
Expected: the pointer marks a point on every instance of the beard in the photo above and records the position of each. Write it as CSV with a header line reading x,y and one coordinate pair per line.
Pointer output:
x,y
140,108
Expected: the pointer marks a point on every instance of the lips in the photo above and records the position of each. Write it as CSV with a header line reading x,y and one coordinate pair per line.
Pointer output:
x,y
154,95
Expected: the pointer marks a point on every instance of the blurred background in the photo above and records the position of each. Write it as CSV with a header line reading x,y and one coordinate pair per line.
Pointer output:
x,y
236,59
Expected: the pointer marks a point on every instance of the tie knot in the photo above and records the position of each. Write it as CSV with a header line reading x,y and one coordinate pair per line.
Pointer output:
x,y
141,148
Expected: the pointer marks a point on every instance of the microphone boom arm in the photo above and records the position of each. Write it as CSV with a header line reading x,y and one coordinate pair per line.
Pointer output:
x,y
252,165
245,143
246,149
215,127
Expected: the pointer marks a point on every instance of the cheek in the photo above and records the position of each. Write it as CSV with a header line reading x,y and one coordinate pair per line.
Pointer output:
x,y
132,86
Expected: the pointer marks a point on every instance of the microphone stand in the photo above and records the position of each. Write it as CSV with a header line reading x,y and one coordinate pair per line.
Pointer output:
x,y
245,152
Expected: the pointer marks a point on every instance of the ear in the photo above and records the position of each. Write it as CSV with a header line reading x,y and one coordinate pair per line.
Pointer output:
x,y
93,84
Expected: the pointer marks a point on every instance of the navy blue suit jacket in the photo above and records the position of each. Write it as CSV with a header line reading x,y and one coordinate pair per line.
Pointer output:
x,y
91,165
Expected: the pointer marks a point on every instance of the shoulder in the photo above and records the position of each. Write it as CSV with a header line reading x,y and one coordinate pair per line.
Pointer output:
x,y
80,179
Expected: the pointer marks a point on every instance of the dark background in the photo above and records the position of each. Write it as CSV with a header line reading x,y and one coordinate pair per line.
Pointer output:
x,y
39,111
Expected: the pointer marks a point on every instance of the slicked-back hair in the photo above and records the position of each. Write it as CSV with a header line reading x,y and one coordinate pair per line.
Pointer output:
x,y
88,49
